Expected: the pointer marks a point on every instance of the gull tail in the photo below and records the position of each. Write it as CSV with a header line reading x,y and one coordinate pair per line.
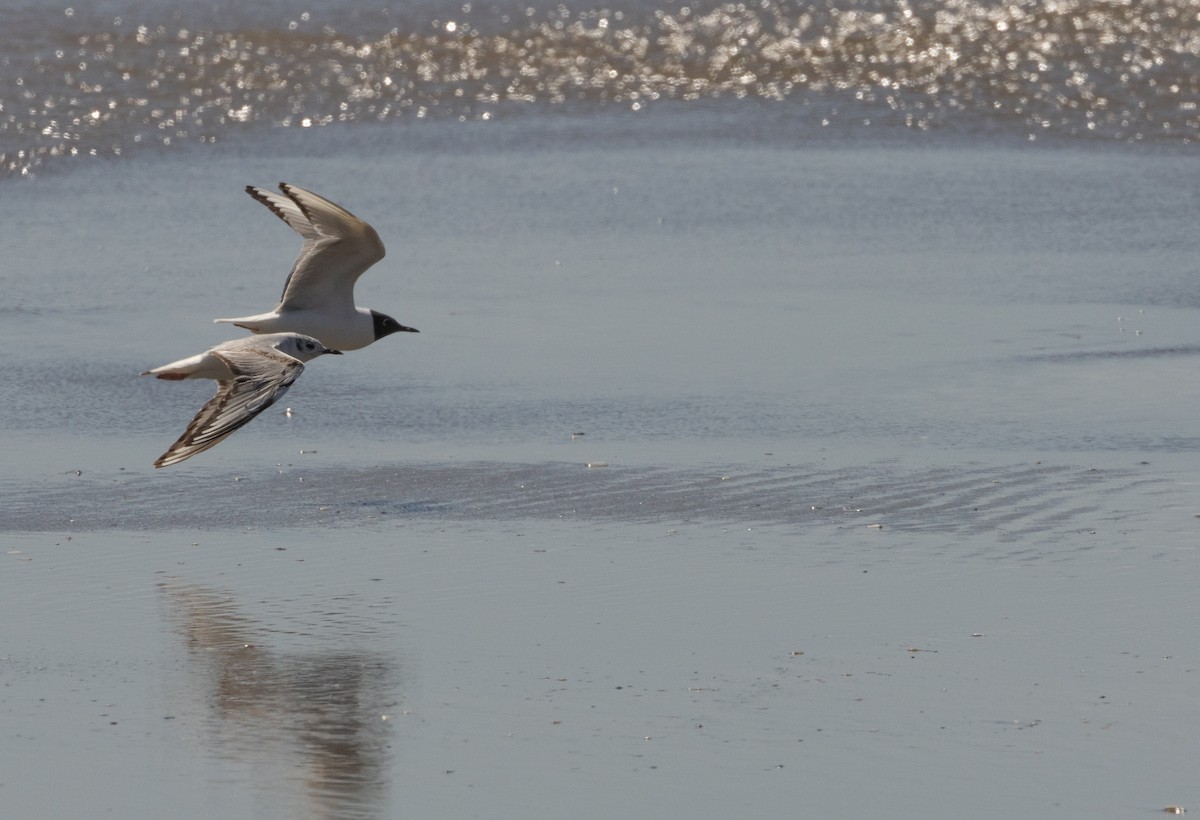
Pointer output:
x,y
175,371
255,324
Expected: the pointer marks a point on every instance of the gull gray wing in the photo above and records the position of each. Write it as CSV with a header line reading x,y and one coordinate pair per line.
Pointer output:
x,y
263,375
338,247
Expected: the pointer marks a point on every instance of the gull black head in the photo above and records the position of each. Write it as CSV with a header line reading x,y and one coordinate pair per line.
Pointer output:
x,y
385,325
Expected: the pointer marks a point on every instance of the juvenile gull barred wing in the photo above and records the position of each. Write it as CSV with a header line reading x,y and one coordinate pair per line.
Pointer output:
x,y
262,376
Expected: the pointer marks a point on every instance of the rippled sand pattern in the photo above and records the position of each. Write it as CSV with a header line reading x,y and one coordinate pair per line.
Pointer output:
x,y
1113,70
1014,502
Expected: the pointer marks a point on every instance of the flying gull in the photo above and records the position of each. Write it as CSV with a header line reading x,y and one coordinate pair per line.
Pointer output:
x,y
318,297
251,373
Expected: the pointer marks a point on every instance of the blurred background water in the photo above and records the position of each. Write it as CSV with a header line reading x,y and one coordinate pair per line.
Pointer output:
x,y
117,77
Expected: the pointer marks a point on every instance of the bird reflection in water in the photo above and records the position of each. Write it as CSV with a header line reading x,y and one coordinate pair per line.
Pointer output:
x,y
321,718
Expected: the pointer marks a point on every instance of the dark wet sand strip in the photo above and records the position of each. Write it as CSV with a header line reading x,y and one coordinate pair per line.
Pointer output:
x,y
1013,500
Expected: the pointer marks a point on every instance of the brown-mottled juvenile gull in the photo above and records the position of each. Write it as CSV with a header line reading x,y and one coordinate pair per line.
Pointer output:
x,y
251,374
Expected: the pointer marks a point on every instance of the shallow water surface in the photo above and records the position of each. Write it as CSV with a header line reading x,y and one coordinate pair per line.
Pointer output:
x,y
428,667
891,507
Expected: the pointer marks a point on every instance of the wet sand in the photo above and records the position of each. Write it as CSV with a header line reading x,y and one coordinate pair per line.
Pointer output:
x,y
898,515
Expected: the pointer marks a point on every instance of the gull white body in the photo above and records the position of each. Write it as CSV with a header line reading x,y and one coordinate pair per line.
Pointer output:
x,y
251,374
341,328
318,297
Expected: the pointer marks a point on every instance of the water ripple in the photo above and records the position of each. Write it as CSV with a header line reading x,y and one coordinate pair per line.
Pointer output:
x,y
1049,502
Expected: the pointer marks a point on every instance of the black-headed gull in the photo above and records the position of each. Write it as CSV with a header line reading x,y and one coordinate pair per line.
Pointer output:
x,y
318,297
251,373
